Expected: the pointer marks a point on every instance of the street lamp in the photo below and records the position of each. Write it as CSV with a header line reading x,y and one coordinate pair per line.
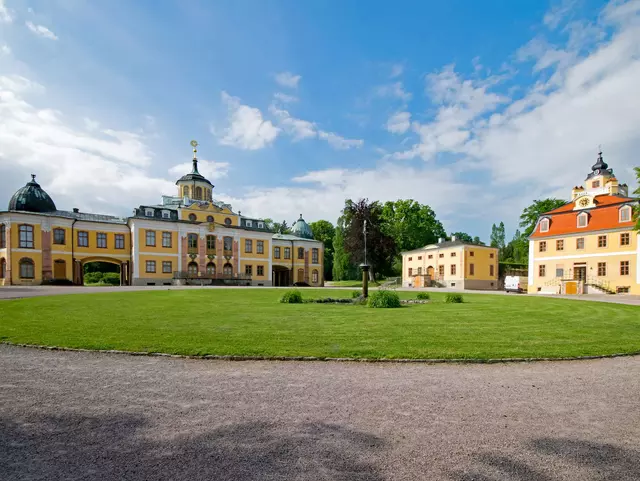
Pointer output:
x,y
364,265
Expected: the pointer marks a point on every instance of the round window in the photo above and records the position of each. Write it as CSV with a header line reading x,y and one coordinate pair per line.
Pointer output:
x,y
227,221
192,217
209,218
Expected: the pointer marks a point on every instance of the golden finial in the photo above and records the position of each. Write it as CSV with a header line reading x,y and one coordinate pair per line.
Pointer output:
x,y
194,144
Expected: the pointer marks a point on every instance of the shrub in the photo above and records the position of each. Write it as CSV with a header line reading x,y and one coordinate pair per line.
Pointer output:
x,y
93,277
355,294
423,296
384,299
291,297
453,298
58,282
111,278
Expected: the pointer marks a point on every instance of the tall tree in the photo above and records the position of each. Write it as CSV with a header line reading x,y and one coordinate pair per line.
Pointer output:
x,y
531,214
477,241
343,269
498,236
462,236
381,247
410,224
324,231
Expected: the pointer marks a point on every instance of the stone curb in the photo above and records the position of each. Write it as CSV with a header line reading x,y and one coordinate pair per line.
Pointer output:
x,y
323,359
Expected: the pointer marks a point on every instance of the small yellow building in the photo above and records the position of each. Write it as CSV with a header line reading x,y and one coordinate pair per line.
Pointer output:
x,y
187,239
451,264
588,245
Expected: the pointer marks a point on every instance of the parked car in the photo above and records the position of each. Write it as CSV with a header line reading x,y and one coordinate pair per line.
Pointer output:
x,y
515,284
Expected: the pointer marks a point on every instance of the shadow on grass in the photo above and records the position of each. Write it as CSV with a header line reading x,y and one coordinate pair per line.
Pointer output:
x,y
125,447
604,462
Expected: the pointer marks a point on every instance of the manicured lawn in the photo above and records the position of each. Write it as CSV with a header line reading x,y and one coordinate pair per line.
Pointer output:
x,y
252,322
356,284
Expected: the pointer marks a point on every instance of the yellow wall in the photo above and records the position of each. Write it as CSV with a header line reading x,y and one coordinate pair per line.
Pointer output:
x,y
159,260
254,248
254,272
481,260
93,242
142,242
201,214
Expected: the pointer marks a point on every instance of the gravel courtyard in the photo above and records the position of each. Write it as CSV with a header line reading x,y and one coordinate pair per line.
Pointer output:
x,y
93,416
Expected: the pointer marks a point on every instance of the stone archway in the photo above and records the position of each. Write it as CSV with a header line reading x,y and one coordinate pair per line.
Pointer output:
x,y
123,269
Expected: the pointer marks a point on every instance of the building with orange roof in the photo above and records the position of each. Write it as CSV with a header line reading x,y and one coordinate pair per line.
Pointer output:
x,y
589,244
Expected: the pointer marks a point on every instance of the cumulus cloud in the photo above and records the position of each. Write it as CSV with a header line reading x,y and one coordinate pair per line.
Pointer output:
x,y
287,79
41,30
247,128
393,90
285,98
399,122
6,15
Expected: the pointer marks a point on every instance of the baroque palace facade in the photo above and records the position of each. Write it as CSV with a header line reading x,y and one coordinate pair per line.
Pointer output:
x,y
588,245
187,239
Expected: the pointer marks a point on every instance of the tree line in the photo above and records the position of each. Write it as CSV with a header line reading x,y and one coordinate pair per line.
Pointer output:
x,y
402,225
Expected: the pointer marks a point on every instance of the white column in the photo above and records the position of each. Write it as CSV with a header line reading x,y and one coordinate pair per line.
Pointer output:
x,y
531,262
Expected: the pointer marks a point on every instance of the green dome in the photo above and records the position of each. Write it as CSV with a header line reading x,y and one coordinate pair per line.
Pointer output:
x,y
302,229
31,198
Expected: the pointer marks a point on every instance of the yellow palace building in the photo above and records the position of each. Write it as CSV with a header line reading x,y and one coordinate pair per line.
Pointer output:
x,y
187,239
588,245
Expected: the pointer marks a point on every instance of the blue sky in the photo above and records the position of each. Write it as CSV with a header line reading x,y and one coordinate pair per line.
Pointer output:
x,y
475,108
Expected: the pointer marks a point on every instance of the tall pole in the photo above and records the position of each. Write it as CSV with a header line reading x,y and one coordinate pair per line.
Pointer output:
x,y
365,266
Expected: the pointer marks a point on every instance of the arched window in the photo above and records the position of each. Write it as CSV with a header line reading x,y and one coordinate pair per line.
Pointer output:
x,y
185,191
192,269
625,213
583,219
27,268
544,225
300,252
3,236
314,276
198,193
209,218
227,269
211,269
3,268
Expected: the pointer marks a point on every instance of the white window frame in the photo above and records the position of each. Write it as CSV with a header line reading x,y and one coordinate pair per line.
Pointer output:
x,y
544,222
260,225
585,216
148,212
249,223
625,208
166,214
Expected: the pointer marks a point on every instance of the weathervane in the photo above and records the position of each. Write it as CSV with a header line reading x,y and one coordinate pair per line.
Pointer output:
x,y
194,144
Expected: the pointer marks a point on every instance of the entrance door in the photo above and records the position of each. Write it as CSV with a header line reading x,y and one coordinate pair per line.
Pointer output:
x,y
580,273
59,269
571,287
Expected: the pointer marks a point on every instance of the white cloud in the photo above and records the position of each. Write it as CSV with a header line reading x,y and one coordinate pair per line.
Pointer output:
x,y
395,90
287,79
102,171
399,122
338,142
41,30
248,130
6,15
558,13
396,70
91,125
284,98
5,49
211,169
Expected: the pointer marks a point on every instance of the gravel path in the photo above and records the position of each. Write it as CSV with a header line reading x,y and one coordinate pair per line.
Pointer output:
x,y
90,416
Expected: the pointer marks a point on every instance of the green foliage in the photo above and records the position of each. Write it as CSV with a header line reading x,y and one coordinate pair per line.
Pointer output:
x,y
343,269
93,277
517,250
498,236
384,299
111,278
292,296
410,224
531,214
277,227
452,298
423,296
355,294
100,267
324,231
464,237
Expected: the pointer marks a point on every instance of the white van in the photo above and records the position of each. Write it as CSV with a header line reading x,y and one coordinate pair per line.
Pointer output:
x,y
515,284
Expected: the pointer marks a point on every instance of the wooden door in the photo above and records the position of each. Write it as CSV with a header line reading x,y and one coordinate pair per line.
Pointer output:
x,y
571,287
59,269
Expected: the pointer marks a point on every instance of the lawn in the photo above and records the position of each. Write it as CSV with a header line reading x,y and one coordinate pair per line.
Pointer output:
x,y
355,284
253,322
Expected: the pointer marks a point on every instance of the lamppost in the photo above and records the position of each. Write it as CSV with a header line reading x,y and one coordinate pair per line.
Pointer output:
x,y
364,265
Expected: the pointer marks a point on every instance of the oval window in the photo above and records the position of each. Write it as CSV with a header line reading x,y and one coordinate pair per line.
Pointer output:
x,y
209,218
227,221
192,217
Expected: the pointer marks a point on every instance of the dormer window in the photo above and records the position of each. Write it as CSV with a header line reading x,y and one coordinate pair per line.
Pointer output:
x,y
544,225
260,225
249,223
166,214
148,212
583,219
625,213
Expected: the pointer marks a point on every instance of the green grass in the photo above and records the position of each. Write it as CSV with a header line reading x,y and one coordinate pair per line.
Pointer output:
x,y
253,322
351,283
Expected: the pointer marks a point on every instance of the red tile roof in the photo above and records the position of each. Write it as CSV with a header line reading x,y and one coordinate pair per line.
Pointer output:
x,y
564,220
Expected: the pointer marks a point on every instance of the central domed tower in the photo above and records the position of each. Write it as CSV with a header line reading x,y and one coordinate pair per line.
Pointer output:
x,y
31,198
302,229
194,185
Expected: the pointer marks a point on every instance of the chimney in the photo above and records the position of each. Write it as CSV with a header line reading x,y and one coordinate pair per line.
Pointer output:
x,y
440,240
76,210
453,238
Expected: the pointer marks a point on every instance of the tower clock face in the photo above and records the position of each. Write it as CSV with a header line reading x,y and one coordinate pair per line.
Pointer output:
x,y
584,202
597,171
